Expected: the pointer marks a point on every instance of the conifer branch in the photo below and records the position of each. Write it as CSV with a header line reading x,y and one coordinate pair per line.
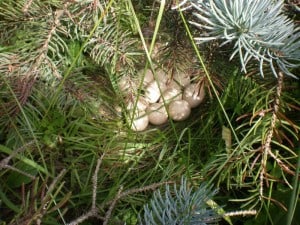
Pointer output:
x,y
266,148
256,29
26,6
183,205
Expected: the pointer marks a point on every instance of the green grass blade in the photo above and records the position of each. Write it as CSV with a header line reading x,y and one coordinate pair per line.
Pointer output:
x,y
294,197
24,159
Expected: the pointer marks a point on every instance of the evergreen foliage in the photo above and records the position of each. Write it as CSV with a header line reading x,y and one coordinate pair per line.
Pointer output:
x,y
256,29
183,206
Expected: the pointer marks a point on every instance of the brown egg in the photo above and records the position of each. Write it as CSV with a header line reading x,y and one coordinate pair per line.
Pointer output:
x,y
139,122
139,103
170,94
157,113
147,78
194,94
157,50
179,110
180,79
125,83
153,90
161,76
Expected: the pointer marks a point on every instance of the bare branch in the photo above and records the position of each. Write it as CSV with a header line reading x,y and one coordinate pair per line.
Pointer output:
x,y
4,163
93,212
241,213
89,214
95,180
111,207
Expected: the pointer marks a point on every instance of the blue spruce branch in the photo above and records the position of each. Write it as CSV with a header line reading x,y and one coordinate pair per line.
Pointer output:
x,y
180,206
257,29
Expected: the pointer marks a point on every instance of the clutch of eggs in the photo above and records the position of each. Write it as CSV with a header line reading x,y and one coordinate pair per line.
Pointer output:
x,y
162,98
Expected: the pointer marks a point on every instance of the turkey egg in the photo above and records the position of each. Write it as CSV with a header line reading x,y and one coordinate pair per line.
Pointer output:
x,y
179,110
157,113
171,93
194,94
139,122
152,91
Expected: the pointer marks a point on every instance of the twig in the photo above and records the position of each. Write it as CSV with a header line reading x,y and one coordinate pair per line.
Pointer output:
x,y
19,171
281,164
53,185
136,190
111,207
26,6
266,148
93,212
241,213
80,219
95,180
143,189
45,199
4,162
45,46
121,194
